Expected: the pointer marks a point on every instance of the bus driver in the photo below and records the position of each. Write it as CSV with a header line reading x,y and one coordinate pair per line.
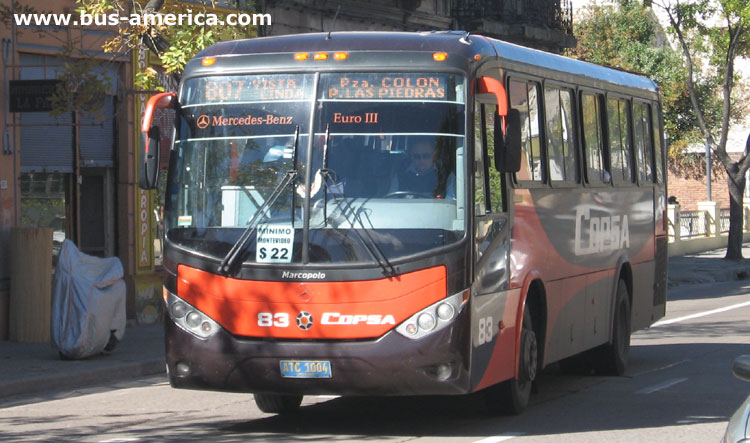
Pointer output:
x,y
420,177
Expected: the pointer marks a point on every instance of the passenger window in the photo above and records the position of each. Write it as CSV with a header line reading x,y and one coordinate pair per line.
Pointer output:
x,y
495,184
524,98
658,149
620,150
643,141
592,140
563,164
480,197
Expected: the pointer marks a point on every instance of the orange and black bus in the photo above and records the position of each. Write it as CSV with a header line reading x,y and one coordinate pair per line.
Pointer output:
x,y
405,214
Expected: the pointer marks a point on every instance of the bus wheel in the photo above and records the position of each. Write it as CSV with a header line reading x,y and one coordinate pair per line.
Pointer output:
x,y
512,396
612,358
277,403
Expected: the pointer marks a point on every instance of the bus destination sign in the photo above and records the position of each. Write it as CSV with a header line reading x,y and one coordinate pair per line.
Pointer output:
x,y
387,87
256,88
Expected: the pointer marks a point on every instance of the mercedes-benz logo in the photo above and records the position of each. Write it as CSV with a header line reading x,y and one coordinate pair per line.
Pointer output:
x,y
304,320
203,121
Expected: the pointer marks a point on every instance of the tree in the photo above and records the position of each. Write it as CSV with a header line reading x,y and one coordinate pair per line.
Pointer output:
x,y
174,45
627,36
712,34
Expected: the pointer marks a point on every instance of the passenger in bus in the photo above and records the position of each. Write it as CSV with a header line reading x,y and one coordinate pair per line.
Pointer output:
x,y
421,178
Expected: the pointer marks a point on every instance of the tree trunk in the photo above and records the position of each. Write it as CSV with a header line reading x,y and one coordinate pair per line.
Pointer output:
x,y
736,216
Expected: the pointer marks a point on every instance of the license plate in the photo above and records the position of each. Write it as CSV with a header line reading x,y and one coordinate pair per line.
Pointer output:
x,y
305,369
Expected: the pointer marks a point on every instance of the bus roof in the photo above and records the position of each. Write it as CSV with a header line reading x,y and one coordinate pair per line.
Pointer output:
x,y
453,42
533,57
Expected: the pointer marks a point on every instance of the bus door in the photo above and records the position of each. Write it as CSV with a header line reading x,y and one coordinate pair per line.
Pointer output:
x,y
490,301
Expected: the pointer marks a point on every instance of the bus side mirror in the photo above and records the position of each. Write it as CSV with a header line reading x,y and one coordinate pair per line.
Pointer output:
x,y
508,145
148,170
148,177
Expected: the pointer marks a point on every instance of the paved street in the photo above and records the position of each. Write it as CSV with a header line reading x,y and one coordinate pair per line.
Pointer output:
x,y
678,388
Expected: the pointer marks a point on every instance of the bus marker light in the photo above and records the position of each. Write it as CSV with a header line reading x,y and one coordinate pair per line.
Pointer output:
x,y
320,56
439,56
340,55
477,57
301,56
426,321
208,61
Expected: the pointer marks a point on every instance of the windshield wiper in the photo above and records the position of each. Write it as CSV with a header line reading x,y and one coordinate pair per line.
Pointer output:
x,y
239,246
370,244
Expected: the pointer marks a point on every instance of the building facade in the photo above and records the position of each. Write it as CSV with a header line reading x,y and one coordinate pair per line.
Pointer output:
x,y
75,171
541,24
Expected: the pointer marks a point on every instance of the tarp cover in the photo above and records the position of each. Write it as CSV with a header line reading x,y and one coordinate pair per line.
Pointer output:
x,y
88,303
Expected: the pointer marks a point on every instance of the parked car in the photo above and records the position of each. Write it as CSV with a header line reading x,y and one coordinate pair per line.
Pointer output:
x,y
738,429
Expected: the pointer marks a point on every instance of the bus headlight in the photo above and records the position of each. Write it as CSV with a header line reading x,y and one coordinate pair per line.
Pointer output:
x,y
426,321
432,318
189,318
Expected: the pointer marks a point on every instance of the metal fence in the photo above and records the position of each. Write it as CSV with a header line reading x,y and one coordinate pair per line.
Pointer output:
x,y
724,219
693,224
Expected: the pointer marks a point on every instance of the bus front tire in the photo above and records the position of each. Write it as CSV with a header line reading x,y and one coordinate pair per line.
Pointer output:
x,y
277,403
612,358
512,397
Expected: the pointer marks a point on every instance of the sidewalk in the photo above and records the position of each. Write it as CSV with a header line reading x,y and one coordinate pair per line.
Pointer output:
x,y
27,368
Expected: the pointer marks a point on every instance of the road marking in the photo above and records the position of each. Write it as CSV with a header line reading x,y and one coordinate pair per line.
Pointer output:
x,y
327,396
661,386
699,314
120,440
660,368
499,438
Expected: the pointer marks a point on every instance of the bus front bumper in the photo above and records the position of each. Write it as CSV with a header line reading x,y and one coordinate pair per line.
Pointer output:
x,y
390,365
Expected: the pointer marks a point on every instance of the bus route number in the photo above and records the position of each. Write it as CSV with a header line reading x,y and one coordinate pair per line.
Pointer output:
x,y
268,319
485,330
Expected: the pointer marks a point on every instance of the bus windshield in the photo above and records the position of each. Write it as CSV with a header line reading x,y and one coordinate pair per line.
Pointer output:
x,y
386,155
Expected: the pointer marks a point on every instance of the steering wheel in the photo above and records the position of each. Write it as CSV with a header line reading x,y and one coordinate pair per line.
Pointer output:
x,y
408,194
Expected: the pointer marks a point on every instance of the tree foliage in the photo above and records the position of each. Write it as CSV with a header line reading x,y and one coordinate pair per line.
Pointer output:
x,y
626,35
702,93
173,45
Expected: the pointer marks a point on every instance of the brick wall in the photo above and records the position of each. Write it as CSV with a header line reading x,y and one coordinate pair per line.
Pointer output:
x,y
690,191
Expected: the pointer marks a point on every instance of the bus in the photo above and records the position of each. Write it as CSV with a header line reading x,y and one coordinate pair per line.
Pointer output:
x,y
430,213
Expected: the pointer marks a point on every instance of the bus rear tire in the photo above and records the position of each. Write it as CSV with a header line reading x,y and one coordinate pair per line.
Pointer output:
x,y
512,397
612,358
277,403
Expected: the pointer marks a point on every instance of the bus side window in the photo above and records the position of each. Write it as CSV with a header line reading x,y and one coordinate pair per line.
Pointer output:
x,y
642,139
620,148
658,148
563,165
592,139
480,197
524,96
495,183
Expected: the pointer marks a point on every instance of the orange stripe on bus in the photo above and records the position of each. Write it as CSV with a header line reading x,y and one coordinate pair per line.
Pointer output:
x,y
352,309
